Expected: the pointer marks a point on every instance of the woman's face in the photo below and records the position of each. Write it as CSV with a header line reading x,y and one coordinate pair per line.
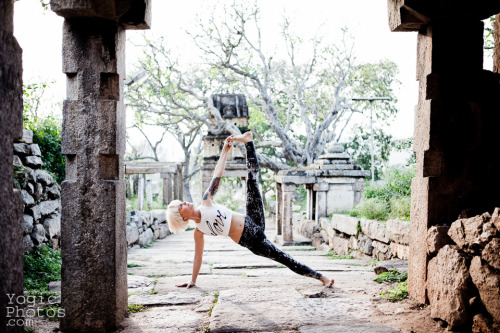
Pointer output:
x,y
186,209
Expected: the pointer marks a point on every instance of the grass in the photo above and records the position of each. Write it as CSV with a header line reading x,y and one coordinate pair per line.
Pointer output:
x,y
133,308
332,255
396,293
373,262
43,293
391,276
133,265
216,295
205,329
251,267
153,292
281,266
40,267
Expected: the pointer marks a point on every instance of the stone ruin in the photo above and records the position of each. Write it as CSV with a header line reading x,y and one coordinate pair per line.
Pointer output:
x,y
455,141
40,194
232,108
333,183
143,227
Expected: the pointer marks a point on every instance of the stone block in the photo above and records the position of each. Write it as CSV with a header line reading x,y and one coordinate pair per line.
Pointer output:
x,y
345,224
491,253
27,136
400,251
449,287
21,149
33,161
379,247
17,160
44,177
38,234
353,243
308,227
52,225
398,231
28,243
163,228
49,207
437,237
27,199
487,282
54,192
35,212
35,150
374,230
321,187
365,245
466,233
27,223
340,197
339,245
495,218
159,215
146,237
324,235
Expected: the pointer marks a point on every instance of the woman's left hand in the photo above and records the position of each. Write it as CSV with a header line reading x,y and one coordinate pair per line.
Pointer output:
x,y
227,145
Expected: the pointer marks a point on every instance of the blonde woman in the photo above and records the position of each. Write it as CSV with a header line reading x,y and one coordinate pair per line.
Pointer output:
x,y
246,230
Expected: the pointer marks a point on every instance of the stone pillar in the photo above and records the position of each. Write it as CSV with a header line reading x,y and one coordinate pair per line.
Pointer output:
x,y
167,188
287,212
140,194
11,117
181,184
454,121
149,193
279,205
320,209
94,250
311,205
177,186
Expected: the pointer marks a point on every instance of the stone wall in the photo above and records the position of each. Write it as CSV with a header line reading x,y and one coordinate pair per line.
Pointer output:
x,y
40,194
143,227
358,236
463,274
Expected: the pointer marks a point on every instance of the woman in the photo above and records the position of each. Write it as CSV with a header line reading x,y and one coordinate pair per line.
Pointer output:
x,y
246,230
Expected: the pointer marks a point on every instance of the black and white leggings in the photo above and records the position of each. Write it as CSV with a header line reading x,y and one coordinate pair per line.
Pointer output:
x,y
253,237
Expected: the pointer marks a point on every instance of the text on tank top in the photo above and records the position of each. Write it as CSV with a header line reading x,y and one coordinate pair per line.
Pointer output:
x,y
215,220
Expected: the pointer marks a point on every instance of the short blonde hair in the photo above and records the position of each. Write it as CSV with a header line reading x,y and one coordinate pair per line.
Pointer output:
x,y
175,221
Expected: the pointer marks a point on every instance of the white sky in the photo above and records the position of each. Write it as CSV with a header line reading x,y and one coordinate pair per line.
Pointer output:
x,y
40,36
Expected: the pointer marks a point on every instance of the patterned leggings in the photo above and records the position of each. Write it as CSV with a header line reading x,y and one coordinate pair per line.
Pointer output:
x,y
253,237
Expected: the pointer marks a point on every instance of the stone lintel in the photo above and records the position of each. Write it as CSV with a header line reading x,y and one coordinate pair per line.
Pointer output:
x,y
288,187
321,187
132,14
131,170
298,180
334,156
342,173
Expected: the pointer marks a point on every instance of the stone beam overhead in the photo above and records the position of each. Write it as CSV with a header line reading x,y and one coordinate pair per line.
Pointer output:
x,y
132,14
414,15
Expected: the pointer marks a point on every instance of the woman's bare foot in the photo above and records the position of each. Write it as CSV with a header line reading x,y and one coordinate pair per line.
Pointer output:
x,y
327,282
245,137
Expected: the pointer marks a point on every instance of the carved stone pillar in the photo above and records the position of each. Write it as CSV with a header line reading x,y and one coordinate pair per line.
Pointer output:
x,y
140,194
94,250
320,205
167,187
149,193
287,212
11,204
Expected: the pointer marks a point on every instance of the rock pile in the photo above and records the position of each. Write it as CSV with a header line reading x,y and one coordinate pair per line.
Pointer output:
x,y
40,193
463,277
143,227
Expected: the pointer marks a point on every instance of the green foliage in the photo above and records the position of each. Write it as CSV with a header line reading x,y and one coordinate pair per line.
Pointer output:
x,y
332,255
372,208
397,293
51,312
400,208
29,329
397,184
133,265
133,308
216,299
406,145
391,276
41,266
488,35
359,148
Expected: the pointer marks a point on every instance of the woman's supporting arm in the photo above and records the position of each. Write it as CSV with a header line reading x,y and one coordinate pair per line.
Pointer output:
x,y
199,244
218,172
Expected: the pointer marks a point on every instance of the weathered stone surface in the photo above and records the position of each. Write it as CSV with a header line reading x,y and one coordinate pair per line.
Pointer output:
x,y
33,161
398,231
163,229
52,225
339,245
365,245
38,234
27,199
44,177
466,233
27,136
35,212
35,150
449,287
353,243
400,251
481,324
495,218
132,234
172,298
160,319
374,230
489,232
308,228
324,235
159,215
384,266
54,191
381,251
27,223
326,225
28,243
48,207
491,253
437,237
21,148
345,224
487,282
146,237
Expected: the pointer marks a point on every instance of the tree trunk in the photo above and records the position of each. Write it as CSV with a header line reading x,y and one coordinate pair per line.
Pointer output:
x,y
186,178
496,52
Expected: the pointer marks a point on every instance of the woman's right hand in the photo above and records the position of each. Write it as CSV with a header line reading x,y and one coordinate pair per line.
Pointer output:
x,y
187,284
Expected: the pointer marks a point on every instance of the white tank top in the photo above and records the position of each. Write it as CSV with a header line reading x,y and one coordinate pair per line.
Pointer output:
x,y
215,220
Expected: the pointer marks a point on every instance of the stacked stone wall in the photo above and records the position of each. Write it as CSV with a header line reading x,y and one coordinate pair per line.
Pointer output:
x,y
40,193
463,274
143,226
358,237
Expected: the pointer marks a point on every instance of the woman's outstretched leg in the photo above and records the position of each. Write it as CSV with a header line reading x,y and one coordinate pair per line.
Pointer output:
x,y
254,205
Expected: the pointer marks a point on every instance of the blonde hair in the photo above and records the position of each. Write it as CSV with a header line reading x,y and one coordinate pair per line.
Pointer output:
x,y
175,221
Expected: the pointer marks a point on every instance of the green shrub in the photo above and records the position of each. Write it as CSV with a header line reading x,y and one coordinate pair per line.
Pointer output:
x,y
397,293
41,266
397,184
391,276
373,209
400,208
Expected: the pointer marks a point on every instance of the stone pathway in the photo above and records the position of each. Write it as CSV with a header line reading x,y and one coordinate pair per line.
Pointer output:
x,y
238,291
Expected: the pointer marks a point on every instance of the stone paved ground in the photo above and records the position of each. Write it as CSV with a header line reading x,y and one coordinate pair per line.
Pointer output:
x,y
255,294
